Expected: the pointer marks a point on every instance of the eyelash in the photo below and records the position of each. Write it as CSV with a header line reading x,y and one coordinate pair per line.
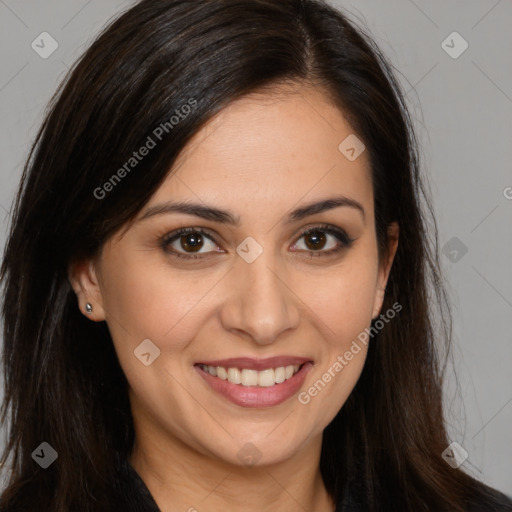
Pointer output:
x,y
339,234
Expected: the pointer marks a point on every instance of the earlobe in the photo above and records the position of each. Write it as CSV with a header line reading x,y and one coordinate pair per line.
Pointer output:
x,y
84,281
377,304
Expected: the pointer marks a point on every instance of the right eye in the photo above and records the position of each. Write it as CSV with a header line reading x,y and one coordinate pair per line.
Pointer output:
x,y
187,242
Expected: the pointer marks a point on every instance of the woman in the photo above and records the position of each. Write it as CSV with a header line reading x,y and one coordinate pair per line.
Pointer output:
x,y
216,278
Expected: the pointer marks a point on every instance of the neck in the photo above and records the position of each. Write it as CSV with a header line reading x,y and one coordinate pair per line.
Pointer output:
x,y
181,478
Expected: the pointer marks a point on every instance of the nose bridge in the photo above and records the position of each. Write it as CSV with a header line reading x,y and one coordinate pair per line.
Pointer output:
x,y
260,303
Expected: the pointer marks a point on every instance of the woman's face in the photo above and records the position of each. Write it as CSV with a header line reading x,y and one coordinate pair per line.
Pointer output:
x,y
249,292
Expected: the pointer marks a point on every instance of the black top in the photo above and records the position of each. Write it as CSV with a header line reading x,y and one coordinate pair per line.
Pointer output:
x,y
134,496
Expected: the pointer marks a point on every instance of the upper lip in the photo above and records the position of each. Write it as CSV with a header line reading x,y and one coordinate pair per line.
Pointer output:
x,y
250,363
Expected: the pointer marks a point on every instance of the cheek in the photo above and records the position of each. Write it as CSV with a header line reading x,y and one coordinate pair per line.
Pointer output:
x,y
150,300
342,299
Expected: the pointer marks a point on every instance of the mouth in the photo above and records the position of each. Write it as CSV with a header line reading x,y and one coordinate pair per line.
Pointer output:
x,y
255,383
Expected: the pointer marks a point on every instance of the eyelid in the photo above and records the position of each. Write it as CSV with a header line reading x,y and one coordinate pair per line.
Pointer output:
x,y
327,228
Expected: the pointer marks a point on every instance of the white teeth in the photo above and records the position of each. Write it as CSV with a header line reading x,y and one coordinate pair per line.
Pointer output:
x,y
266,378
279,375
234,376
222,373
249,378
246,377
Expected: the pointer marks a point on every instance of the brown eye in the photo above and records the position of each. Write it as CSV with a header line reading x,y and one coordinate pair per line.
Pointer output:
x,y
323,240
183,243
315,240
192,241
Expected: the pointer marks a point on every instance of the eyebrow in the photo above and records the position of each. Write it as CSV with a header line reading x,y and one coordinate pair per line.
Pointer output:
x,y
226,217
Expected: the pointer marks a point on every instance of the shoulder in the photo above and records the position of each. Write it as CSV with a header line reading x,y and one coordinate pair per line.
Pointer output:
x,y
127,493
491,500
131,493
485,499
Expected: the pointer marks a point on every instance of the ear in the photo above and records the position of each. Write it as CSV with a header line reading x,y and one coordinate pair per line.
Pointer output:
x,y
385,267
83,278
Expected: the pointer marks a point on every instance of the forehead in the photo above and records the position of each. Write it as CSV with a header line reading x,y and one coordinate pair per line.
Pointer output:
x,y
268,150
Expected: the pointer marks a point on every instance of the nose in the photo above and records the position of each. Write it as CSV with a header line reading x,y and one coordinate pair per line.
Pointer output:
x,y
260,303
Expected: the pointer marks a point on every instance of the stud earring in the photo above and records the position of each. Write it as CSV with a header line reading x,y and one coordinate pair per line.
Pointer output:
x,y
88,308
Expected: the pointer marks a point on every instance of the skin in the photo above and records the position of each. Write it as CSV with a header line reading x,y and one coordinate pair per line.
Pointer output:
x,y
261,157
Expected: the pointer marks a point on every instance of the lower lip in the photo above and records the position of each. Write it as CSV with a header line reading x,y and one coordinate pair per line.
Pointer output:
x,y
256,396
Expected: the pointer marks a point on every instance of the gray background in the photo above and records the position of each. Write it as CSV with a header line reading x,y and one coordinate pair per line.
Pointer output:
x,y
462,108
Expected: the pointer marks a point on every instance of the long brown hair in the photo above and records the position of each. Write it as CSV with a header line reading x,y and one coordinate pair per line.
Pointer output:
x,y
63,383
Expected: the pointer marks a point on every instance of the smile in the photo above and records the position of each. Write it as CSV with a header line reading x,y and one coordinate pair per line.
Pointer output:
x,y
255,383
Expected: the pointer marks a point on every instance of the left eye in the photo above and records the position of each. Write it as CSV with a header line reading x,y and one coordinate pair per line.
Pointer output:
x,y
316,240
